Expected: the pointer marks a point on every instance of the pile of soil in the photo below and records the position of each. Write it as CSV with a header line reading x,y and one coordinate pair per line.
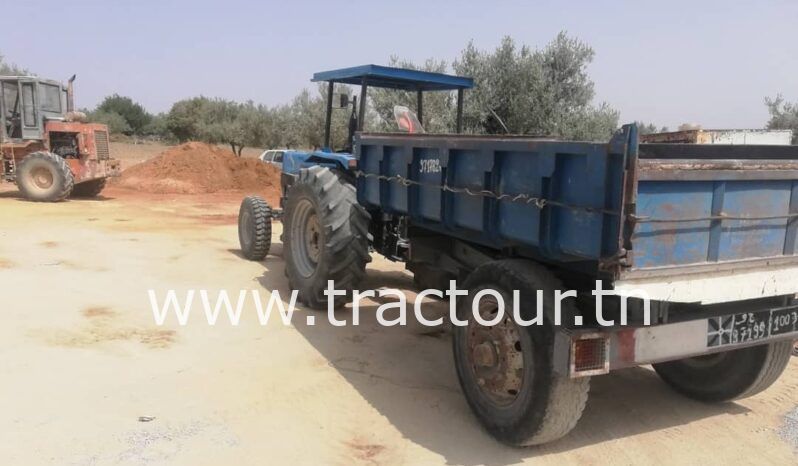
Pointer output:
x,y
198,168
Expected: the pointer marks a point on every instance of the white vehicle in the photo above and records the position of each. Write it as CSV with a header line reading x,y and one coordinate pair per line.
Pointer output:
x,y
273,156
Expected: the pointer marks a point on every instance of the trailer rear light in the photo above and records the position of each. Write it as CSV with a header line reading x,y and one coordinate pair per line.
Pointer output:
x,y
590,355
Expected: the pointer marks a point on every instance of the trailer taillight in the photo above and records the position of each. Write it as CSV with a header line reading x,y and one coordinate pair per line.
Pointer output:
x,y
590,355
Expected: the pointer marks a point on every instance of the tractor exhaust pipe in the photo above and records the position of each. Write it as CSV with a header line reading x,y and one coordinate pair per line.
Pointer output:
x,y
70,97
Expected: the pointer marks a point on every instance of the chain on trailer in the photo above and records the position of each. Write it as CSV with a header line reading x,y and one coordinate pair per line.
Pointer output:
x,y
541,203
538,202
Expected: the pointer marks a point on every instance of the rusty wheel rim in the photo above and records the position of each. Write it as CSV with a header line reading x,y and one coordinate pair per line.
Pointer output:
x,y
495,355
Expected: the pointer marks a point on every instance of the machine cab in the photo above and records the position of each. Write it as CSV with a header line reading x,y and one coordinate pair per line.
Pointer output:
x,y
26,102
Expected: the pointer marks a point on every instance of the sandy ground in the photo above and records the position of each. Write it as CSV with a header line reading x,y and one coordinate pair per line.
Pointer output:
x,y
83,361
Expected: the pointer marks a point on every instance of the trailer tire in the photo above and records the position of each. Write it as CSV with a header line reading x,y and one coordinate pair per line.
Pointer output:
x,y
727,376
325,237
255,228
89,189
44,177
519,404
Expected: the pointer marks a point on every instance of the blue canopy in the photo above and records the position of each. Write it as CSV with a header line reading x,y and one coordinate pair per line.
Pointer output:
x,y
395,78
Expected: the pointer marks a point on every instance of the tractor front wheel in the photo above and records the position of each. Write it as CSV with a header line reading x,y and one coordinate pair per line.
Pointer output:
x,y
44,177
255,228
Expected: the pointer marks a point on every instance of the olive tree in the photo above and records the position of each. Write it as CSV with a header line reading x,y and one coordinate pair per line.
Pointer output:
x,y
116,123
650,128
10,69
134,114
783,115
545,91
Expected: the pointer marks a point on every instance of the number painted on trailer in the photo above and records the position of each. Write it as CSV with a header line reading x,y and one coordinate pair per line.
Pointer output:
x,y
430,165
748,327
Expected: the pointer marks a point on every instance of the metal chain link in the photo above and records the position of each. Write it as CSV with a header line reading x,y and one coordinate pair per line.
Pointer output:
x,y
538,202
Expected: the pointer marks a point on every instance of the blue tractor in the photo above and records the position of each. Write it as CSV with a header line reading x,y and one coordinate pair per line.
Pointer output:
x,y
325,230
708,233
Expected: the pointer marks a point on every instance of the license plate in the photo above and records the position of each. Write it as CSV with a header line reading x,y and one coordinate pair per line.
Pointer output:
x,y
748,327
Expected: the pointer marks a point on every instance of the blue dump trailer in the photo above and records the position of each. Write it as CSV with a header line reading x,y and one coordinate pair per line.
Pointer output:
x,y
682,256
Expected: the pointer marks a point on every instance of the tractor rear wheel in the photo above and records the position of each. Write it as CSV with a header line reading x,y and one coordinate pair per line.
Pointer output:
x,y
91,188
44,177
325,237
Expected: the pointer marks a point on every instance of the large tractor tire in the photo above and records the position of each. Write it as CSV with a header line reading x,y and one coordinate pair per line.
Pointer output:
x,y
325,235
506,370
727,376
44,177
89,189
255,228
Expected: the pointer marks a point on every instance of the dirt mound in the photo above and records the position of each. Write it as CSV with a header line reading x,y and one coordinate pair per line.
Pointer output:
x,y
197,168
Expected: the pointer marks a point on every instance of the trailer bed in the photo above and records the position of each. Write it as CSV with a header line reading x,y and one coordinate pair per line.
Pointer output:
x,y
627,212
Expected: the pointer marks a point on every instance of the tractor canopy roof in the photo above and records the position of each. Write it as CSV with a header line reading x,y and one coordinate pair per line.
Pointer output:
x,y
395,78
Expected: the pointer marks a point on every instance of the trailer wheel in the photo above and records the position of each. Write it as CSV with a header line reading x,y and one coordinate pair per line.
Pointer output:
x,y
255,228
44,177
325,237
727,376
506,370
88,189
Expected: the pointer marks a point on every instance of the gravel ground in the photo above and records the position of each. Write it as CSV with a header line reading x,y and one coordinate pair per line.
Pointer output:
x,y
789,431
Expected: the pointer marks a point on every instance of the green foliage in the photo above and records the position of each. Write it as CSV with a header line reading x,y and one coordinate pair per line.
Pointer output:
x,y
157,127
304,124
10,69
527,91
649,128
203,119
220,124
299,124
184,117
783,115
116,123
221,121
134,114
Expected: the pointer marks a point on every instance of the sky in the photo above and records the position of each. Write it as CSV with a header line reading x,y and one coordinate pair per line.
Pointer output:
x,y
667,62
